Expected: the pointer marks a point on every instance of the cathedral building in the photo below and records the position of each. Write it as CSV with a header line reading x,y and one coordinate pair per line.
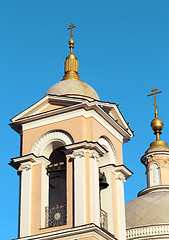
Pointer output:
x,y
72,173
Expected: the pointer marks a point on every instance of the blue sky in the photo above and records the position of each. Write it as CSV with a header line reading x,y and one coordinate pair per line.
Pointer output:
x,y
123,52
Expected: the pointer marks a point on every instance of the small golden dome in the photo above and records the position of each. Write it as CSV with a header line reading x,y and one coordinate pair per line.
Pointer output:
x,y
157,124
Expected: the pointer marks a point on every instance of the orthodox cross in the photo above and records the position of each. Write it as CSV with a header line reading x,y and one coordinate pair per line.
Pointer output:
x,y
71,26
155,103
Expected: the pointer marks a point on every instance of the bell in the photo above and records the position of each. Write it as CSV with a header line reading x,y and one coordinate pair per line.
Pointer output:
x,y
103,181
59,169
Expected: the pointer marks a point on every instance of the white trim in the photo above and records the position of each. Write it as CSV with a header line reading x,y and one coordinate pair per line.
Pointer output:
x,y
49,137
44,194
30,159
145,158
121,209
45,100
25,212
153,175
89,230
94,183
74,114
85,145
159,231
79,188
42,101
111,157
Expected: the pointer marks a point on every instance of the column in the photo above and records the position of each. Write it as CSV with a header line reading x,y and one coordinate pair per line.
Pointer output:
x,y
25,199
94,183
79,188
44,192
121,208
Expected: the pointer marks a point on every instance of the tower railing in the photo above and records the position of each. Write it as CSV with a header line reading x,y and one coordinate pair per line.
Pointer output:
x,y
56,216
103,219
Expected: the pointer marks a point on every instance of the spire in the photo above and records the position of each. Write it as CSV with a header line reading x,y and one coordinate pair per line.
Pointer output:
x,y
156,124
71,63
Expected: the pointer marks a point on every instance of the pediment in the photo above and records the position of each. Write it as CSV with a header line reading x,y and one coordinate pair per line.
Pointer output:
x,y
47,104
52,105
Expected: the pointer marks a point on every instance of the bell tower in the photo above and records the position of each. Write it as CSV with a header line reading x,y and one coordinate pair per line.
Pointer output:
x,y
71,163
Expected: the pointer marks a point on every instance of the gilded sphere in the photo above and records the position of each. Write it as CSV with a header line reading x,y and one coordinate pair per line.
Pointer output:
x,y
71,42
157,124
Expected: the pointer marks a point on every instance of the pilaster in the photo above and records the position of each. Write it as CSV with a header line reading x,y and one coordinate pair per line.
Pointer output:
x,y
25,199
79,188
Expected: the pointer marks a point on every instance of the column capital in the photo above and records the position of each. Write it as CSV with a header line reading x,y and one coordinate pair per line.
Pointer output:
x,y
94,155
26,167
121,178
76,154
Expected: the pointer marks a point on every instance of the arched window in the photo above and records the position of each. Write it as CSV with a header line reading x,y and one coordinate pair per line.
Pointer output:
x,y
57,178
111,156
51,145
155,176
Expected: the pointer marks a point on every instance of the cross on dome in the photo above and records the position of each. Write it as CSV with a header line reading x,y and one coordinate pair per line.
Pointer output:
x,y
155,102
71,26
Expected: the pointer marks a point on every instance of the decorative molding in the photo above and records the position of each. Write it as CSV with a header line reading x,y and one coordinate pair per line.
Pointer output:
x,y
78,154
86,146
105,142
95,156
153,189
121,178
147,231
49,137
81,232
19,163
119,133
148,155
26,167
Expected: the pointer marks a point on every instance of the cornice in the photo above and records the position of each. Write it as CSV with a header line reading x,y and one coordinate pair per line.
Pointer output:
x,y
88,230
146,156
97,106
157,188
122,172
30,159
84,146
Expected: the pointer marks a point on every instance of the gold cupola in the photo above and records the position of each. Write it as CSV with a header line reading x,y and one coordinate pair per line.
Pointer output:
x,y
71,85
157,124
71,63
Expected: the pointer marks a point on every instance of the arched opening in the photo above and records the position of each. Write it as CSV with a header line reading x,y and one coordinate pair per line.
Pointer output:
x,y
111,156
155,176
54,182
57,208
57,178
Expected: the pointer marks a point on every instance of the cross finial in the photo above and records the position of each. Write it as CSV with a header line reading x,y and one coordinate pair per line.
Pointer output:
x,y
155,103
71,26
71,41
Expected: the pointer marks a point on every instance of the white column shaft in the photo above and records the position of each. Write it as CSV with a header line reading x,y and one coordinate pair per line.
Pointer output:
x,y
79,190
25,204
44,194
95,201
121,209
